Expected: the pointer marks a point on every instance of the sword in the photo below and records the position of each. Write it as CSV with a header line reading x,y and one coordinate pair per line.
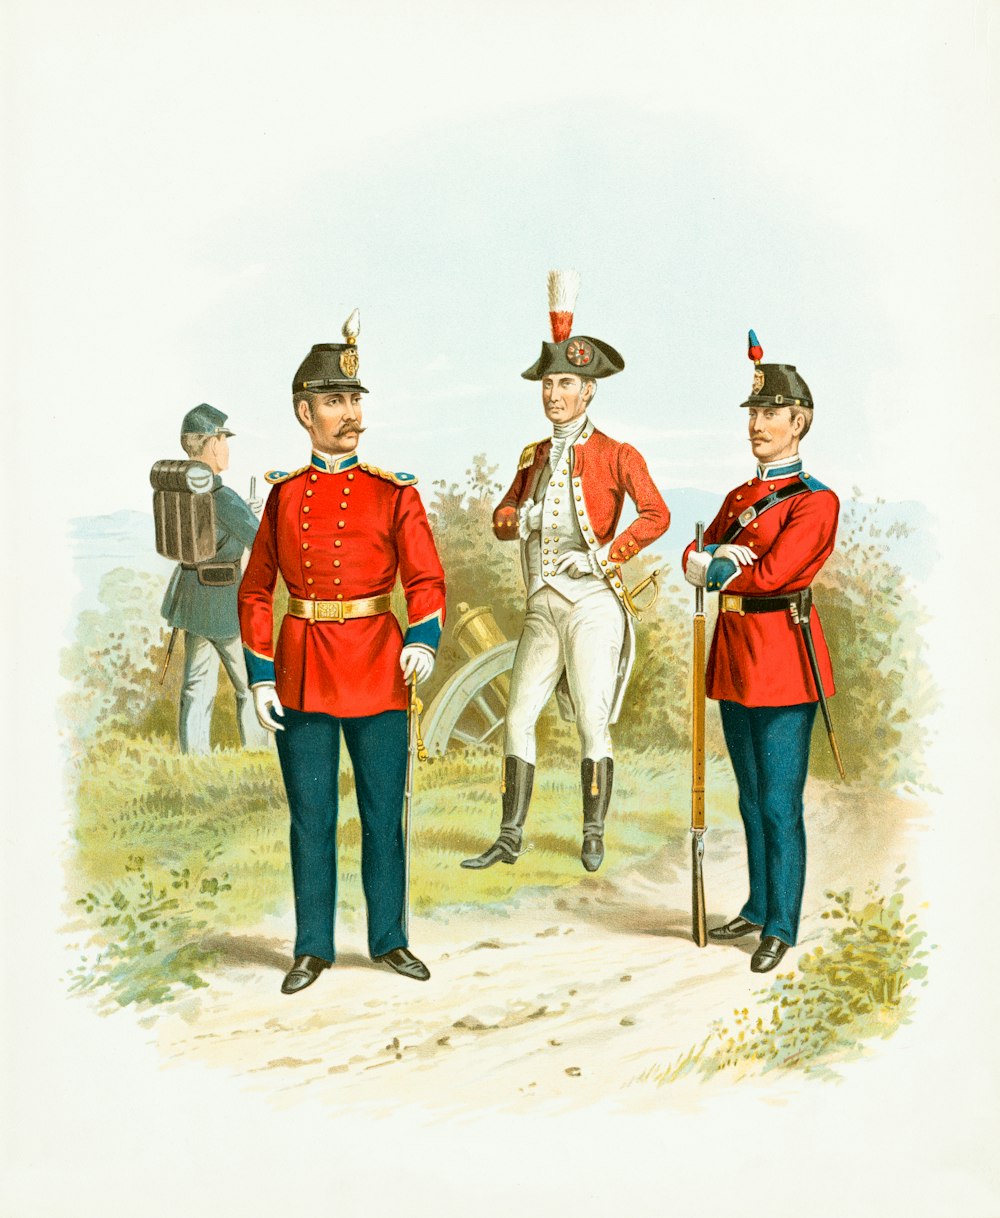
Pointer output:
x,y
699,930
170,652
801,611
414,746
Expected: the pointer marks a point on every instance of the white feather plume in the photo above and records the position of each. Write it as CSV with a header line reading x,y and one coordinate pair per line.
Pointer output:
x,y
563,289
352,327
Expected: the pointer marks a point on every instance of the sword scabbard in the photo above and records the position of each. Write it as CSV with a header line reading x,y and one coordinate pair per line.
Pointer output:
x,y
802,614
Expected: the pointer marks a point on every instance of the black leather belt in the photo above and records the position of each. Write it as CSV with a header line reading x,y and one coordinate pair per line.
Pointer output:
x,y
216,574
756,604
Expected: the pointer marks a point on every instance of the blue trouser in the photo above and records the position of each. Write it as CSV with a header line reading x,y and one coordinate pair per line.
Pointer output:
x,y
309,751
769,749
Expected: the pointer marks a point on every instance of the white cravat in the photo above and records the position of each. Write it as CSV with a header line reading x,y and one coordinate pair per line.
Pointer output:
x,y
563,435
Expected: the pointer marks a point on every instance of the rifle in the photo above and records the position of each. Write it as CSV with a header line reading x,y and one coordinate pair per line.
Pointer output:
x,y
699,929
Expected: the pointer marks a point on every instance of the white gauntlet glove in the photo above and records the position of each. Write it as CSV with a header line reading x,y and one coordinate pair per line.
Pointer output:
x,y
743,556
266,704
696,571
529,518
416,660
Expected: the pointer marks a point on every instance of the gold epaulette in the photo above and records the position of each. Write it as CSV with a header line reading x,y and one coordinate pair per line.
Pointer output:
x,y
275,476
400,479
528,455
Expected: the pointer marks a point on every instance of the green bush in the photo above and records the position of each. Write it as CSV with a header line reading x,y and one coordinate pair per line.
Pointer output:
x,y
147,927
850,990
871,620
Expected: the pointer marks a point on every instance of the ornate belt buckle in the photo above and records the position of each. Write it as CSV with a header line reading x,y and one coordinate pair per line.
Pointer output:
x,y
732,604
329,611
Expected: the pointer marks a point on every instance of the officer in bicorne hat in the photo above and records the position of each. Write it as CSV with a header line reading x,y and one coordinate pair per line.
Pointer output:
x,y
768,542
339,532
564,507
201,597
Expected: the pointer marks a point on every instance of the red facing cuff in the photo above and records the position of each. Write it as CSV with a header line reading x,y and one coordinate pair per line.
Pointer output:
x,y
505,524
624,547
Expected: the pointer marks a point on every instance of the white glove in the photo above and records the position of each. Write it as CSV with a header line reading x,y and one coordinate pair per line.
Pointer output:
x,y
529,518
577,563
416,661
696,571
743,556
255,505
266,704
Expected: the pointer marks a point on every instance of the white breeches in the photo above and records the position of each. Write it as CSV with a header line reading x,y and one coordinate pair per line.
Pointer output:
x,y
586,639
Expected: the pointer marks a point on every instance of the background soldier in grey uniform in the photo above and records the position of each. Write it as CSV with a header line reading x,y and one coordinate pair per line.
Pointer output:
x,y
201,598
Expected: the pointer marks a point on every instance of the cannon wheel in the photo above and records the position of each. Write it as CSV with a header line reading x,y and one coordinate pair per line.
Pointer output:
x,y
467,709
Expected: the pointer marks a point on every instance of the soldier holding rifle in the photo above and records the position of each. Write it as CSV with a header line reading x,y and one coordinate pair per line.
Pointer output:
x,y
339,532
769,666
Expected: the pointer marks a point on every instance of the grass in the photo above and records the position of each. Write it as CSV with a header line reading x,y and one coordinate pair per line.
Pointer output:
x,y
851,989
148,814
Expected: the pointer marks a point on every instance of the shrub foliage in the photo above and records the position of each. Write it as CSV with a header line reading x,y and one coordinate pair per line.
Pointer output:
x,y
850,990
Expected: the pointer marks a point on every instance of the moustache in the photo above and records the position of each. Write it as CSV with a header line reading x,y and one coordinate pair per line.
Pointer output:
x,y
350,426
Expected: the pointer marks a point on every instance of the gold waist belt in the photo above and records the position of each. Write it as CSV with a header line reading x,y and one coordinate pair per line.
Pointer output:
x,y
338,611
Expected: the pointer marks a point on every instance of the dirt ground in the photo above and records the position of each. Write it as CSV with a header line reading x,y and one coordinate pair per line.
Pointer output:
x,y
565,998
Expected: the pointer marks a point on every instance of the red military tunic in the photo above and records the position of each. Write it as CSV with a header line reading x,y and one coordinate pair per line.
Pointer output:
x,y
604,472
340,531
761,659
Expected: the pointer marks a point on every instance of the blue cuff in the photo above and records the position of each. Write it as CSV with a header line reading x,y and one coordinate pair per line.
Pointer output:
x,y
428,633
712,549
720,572
259,670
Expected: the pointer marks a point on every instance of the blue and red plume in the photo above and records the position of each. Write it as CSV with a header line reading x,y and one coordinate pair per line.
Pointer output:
x,y
754,350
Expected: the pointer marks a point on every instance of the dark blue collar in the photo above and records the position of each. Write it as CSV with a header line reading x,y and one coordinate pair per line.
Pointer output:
x,y
788,467
334,465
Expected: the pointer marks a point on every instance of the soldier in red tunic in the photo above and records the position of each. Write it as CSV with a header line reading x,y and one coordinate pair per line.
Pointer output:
x,y
768,542
339,532
564,506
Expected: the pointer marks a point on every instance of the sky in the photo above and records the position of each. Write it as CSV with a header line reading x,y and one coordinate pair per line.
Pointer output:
x,y
200,199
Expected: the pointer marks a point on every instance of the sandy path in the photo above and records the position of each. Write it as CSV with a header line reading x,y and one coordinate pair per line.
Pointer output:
x,y
564,998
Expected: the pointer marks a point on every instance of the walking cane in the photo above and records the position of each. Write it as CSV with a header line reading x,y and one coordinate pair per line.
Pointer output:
x,y
699,931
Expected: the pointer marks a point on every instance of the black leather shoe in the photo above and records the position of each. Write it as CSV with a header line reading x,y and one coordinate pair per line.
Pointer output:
x,y
303,973
499,852
768,955
404,962
736,929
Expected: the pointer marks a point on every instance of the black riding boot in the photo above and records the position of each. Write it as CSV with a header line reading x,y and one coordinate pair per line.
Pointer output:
x,y
518,779
596,777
